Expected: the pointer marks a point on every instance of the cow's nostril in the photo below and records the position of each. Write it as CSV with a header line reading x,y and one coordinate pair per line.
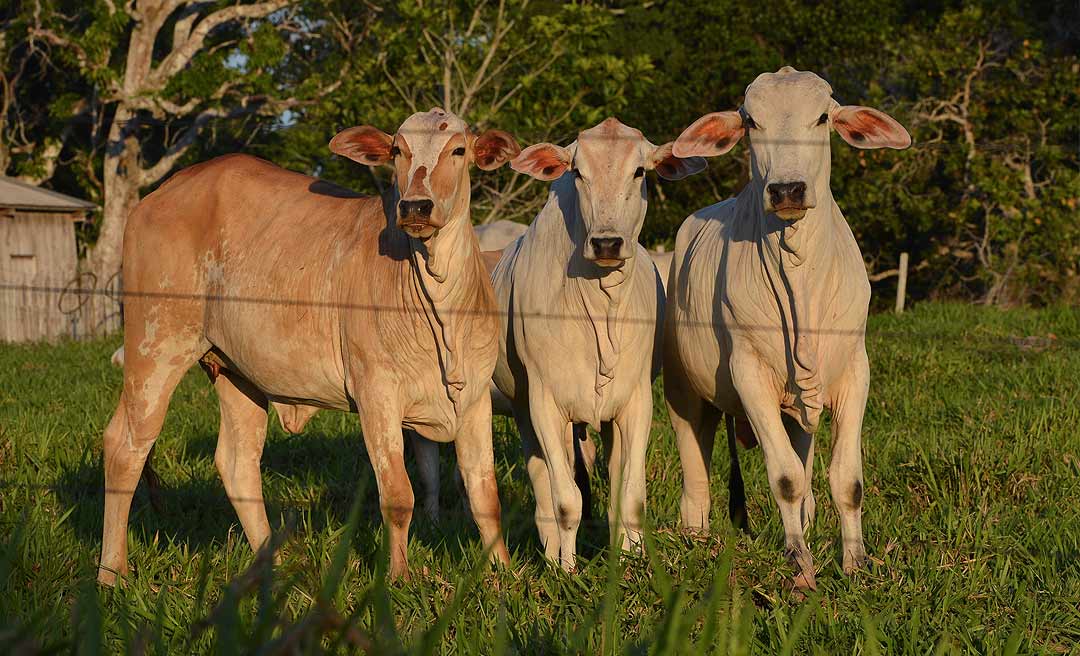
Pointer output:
x,y
784,193
607,248
418,207
797,191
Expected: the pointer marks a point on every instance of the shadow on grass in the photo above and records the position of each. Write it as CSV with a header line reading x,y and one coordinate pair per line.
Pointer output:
x,y
313,479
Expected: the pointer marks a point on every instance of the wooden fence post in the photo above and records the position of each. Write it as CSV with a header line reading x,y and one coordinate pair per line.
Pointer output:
x,y
901,285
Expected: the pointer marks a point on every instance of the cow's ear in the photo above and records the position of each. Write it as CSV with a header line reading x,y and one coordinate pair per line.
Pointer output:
x,y
711,135
543,161
363,144
866,127
493,148
670,167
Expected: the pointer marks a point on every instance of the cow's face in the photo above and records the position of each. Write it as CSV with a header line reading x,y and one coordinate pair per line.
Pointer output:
x,y
787,117
608,164
430,154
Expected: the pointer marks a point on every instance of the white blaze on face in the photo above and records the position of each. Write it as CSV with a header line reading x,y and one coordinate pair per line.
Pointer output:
x,y
430,153
424,140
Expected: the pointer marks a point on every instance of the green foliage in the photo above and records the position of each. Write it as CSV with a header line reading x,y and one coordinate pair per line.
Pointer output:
x,y
985,201
971,456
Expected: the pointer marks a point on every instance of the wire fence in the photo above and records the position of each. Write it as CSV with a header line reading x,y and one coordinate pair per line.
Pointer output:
x,y
77,289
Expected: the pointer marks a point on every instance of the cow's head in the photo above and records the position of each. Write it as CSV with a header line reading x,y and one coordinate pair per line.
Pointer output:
x,y
430,154
608,163
787,116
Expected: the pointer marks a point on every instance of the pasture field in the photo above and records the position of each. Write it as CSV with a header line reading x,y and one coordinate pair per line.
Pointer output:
x,y
972,520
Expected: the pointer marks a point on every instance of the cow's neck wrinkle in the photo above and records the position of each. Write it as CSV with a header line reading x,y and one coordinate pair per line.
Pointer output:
x,y
599,292
446,275
795,256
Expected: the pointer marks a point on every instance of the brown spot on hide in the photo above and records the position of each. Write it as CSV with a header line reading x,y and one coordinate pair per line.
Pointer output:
x,y
787,489
856,494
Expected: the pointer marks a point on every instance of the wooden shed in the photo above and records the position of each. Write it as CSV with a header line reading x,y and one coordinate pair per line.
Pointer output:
x,y
38,258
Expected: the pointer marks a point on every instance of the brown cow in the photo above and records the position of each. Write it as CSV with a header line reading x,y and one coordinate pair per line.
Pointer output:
x,y
293,291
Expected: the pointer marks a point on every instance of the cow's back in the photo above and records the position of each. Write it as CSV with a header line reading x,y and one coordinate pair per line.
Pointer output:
x,y
261,251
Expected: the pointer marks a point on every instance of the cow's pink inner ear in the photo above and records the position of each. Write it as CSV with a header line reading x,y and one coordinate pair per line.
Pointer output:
x,y
494,148
866,127
711,135
542,161
670,167
364,144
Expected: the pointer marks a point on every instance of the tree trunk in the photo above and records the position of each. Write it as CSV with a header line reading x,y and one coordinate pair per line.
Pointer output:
x,y
122,180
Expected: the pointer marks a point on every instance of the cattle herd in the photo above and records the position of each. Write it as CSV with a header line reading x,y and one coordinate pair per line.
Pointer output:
x,y
292,292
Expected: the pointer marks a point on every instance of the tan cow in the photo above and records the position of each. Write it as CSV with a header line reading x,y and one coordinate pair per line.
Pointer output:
x,y
292,290
767,303
582,307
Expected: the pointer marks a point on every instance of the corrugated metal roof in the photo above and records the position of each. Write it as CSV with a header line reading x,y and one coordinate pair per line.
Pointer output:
x,y
21,196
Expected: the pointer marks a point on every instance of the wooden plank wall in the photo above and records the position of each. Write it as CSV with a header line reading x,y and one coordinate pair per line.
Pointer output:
x,y
37,263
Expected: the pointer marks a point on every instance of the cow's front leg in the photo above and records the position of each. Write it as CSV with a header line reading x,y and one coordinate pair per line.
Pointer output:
x,y
536,467
476,462
845,470
632,429
551,428
759,398
803,443
380,421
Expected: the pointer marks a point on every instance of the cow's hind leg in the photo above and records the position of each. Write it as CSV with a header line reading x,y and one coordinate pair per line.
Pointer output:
x,y
426,453
736,490
152,370
694,422
239,450
845,470
582,451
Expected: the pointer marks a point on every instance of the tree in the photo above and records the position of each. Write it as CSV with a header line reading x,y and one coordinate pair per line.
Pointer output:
x,y
532,68
162,73
38,104
989,197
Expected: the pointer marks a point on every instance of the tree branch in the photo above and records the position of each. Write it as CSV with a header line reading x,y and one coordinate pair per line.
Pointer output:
x,y
182,53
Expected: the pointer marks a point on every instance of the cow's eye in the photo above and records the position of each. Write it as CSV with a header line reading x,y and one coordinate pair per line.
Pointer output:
x,y
639,172
749,122
823,119
459,152
395,151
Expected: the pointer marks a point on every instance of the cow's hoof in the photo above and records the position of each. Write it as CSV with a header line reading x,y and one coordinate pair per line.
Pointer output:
x,y
805,581
108,577
853,562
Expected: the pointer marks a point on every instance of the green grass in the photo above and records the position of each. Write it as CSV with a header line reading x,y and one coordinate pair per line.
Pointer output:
x,y
972,519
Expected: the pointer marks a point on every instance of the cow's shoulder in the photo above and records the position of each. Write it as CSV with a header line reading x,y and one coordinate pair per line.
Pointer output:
x,y
710,220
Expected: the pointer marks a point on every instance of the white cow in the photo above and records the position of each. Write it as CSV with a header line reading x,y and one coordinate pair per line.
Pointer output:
x,y
581,312
767,303
497,235
662,261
